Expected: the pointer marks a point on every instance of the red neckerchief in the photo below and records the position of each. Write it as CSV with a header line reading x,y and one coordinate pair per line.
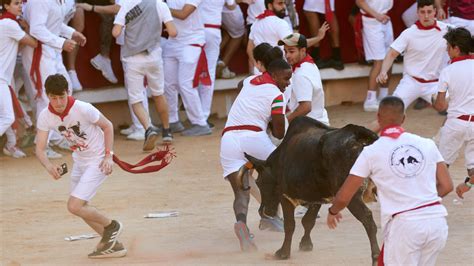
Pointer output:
x,y
421,27
265,78
393,131
9,15
461,58
70,103
266,13
307,59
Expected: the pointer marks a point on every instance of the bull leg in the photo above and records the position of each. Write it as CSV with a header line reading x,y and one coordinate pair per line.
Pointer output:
x,y
308,222
360,211
289,222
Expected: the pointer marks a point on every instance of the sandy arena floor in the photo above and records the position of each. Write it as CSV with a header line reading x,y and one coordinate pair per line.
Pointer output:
x,y
34,219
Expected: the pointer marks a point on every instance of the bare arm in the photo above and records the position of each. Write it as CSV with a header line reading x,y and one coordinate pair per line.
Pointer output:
x,y
321,34
441,104
386,65
303,109
183,13
171,29
278,126
28,40
41,142
440,14
108,129
110,9
117,30
250,47
444,184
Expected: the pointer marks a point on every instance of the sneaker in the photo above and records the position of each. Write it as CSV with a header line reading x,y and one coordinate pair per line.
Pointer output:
x,y
105,66
323,63
76,84
127,131
300,211
371,106
336,64
166,135
151,136
211,125
176,127
14,152
245,238
117,251
111,233
51,154
138,134
274,224
197,130
421,104
226,73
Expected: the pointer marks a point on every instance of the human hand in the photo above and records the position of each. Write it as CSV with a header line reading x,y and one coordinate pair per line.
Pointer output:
x,y
382,78
322,30
461,189
333,220
54,171
106,165
85,6
24,25
79,38
69,45
382,18
441,15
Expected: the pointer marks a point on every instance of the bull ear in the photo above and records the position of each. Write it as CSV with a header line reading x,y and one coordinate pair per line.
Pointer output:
x,y
257,164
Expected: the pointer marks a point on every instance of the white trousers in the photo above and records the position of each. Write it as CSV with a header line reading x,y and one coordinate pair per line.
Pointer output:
x,y
212,48
180,62
409,90
454,135
7,115
460,22
377,38
317,6
135,122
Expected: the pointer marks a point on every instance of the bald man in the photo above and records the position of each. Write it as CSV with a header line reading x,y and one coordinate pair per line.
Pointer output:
x,y
411,178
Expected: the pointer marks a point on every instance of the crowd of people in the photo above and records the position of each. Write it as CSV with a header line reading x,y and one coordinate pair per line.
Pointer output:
x,y
285,83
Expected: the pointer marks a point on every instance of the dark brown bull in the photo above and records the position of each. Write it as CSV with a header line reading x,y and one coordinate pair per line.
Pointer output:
x,y
307,169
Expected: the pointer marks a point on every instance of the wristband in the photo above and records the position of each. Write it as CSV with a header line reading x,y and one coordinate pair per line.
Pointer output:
x,y
468,183
330,212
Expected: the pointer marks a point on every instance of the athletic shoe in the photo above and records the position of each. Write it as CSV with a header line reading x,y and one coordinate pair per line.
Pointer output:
x,y
225,73
197,130
127,131
176,127
371,105
14,152
274,224
166,135
105,66
111,233
117,251
76,84
151,136
245,238
51,154
323,63
336,64
137,134
300,211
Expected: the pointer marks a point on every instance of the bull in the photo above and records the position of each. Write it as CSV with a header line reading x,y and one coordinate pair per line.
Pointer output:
x,y
307,169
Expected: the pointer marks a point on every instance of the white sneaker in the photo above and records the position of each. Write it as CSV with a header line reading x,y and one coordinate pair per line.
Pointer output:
x,y
300,211
138,134
105,66
371,106
227,74
127,131
14,152
51,154
76,85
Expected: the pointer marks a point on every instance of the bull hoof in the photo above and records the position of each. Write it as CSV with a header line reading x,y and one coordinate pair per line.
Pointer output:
x,y
306,246
282,255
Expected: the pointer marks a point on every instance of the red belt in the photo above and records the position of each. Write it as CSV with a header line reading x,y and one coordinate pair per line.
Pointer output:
x,y
469,118
243,127
214,26
424,80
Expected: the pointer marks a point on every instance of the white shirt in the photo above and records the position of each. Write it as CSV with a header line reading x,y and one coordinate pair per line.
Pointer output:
x,y
404,171
210,11
254,104
306,86
254,10
458,80
270,30
424,51
79,129
46,19
190,30
379,6
10,35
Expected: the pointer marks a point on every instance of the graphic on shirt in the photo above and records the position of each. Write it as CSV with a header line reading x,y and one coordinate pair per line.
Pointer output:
x,y
407,161
74,136
133,14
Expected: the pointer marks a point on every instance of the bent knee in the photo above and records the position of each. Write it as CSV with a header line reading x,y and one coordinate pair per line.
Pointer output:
x,y
74,207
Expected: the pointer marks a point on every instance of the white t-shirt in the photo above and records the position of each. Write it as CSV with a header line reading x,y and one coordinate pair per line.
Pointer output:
x,y
254,105
270,30
458,80
424,51
211,10
404,171
379,6
79,129
10,35
306,86
190,30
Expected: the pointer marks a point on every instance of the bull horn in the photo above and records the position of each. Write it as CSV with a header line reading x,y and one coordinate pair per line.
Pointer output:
x,y
243,177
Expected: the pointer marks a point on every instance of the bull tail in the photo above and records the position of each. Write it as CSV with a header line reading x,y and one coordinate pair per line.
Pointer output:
x,y
370,192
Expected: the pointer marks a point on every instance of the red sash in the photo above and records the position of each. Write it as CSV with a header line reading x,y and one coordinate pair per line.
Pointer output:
x,y
307,59
214,26
266,13
329,15
421,27
165,156
202,70
35,73
424,80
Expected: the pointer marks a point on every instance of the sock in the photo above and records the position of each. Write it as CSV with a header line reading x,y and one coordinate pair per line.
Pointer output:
x,y
371,95
241,218
383,92
315,53
336,53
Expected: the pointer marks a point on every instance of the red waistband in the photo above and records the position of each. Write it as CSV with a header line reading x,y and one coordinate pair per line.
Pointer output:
x,y
214,26
424,80
243,127
419,207
469,118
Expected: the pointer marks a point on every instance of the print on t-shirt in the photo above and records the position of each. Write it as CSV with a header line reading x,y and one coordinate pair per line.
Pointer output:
x,y
74,136
407,161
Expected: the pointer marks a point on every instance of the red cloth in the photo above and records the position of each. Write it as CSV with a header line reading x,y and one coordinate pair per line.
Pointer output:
x,y
392,131
462,9
469,118
202,70
424,80
165,156
9,15
264,78
461,58
328,13
214,26
35,73
242,127
266,13
421,27
70,103
307,59
19,114
358,40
